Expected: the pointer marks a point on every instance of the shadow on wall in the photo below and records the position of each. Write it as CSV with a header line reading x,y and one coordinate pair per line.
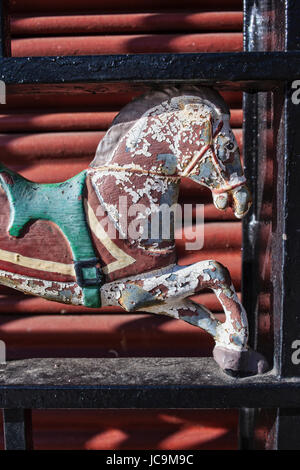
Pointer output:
x,y
127,430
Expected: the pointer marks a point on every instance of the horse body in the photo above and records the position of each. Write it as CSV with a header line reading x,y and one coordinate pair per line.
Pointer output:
x,y
152,144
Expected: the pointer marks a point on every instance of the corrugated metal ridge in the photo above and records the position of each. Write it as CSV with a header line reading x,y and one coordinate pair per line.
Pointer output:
x,y
126,44
110,23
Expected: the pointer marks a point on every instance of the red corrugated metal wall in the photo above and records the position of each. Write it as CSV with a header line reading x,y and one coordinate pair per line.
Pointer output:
x,y
50,138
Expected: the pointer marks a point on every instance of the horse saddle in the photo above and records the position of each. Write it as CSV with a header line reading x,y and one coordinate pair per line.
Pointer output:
x,y
61,203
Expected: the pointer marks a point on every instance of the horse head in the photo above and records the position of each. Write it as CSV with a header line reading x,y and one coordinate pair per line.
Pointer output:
x,y
211,155
182,131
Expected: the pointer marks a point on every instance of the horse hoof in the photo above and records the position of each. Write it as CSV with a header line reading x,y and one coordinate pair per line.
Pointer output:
x,y
240,363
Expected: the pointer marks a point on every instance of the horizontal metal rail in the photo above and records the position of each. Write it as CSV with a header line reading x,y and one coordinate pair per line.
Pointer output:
x,y
263,69
138,383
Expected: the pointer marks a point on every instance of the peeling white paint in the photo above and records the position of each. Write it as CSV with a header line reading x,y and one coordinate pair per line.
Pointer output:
x,y
50,290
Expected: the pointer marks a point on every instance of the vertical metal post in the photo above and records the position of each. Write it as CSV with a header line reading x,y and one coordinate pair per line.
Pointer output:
x,y
290,321
17,426
4,30
288,365
257,226
272,234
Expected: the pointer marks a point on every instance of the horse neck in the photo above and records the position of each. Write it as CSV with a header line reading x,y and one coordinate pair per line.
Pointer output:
x,y
149,146
145,174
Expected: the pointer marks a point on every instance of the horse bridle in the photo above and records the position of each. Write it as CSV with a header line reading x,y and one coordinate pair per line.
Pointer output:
x,y
187,171
216,162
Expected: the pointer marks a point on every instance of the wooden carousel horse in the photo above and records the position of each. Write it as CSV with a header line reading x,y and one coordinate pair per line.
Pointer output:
x,y
69,242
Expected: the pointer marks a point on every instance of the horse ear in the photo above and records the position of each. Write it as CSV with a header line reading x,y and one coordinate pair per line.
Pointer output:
x,y
107,145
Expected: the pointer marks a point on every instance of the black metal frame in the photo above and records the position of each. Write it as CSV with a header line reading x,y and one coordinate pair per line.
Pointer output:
x,y
273,25
238,70
269,404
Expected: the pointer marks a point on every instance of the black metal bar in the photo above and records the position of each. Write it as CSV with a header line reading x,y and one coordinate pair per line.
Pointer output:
x,y
288,243
138,383
17,426
269,429
246,427
264,29
258,428
4,29
249,255
287,427
154,69
276,28
290,320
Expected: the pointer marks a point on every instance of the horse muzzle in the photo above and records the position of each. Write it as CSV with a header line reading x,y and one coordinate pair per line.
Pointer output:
x,y
239,199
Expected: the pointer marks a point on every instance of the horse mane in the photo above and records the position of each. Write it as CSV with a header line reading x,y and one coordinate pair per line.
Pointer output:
x,y
138,107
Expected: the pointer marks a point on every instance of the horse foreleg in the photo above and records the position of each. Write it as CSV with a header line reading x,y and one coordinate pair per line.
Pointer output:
x,y
164,293
231,351
189,311
233,361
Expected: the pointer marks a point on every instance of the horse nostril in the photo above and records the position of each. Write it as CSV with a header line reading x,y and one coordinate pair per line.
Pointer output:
x,y
221,200
241,201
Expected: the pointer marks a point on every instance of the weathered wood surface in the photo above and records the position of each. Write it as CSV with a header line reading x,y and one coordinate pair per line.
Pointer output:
x,y
137,383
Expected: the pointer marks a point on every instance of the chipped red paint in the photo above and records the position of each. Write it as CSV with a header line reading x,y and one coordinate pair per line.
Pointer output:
x,y
37,235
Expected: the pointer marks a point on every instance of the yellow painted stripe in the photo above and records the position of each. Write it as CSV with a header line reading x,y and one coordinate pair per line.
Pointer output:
x,y
39,264
122,259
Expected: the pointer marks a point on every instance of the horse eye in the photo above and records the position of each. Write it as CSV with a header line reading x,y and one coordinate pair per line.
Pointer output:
x,y
230,146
